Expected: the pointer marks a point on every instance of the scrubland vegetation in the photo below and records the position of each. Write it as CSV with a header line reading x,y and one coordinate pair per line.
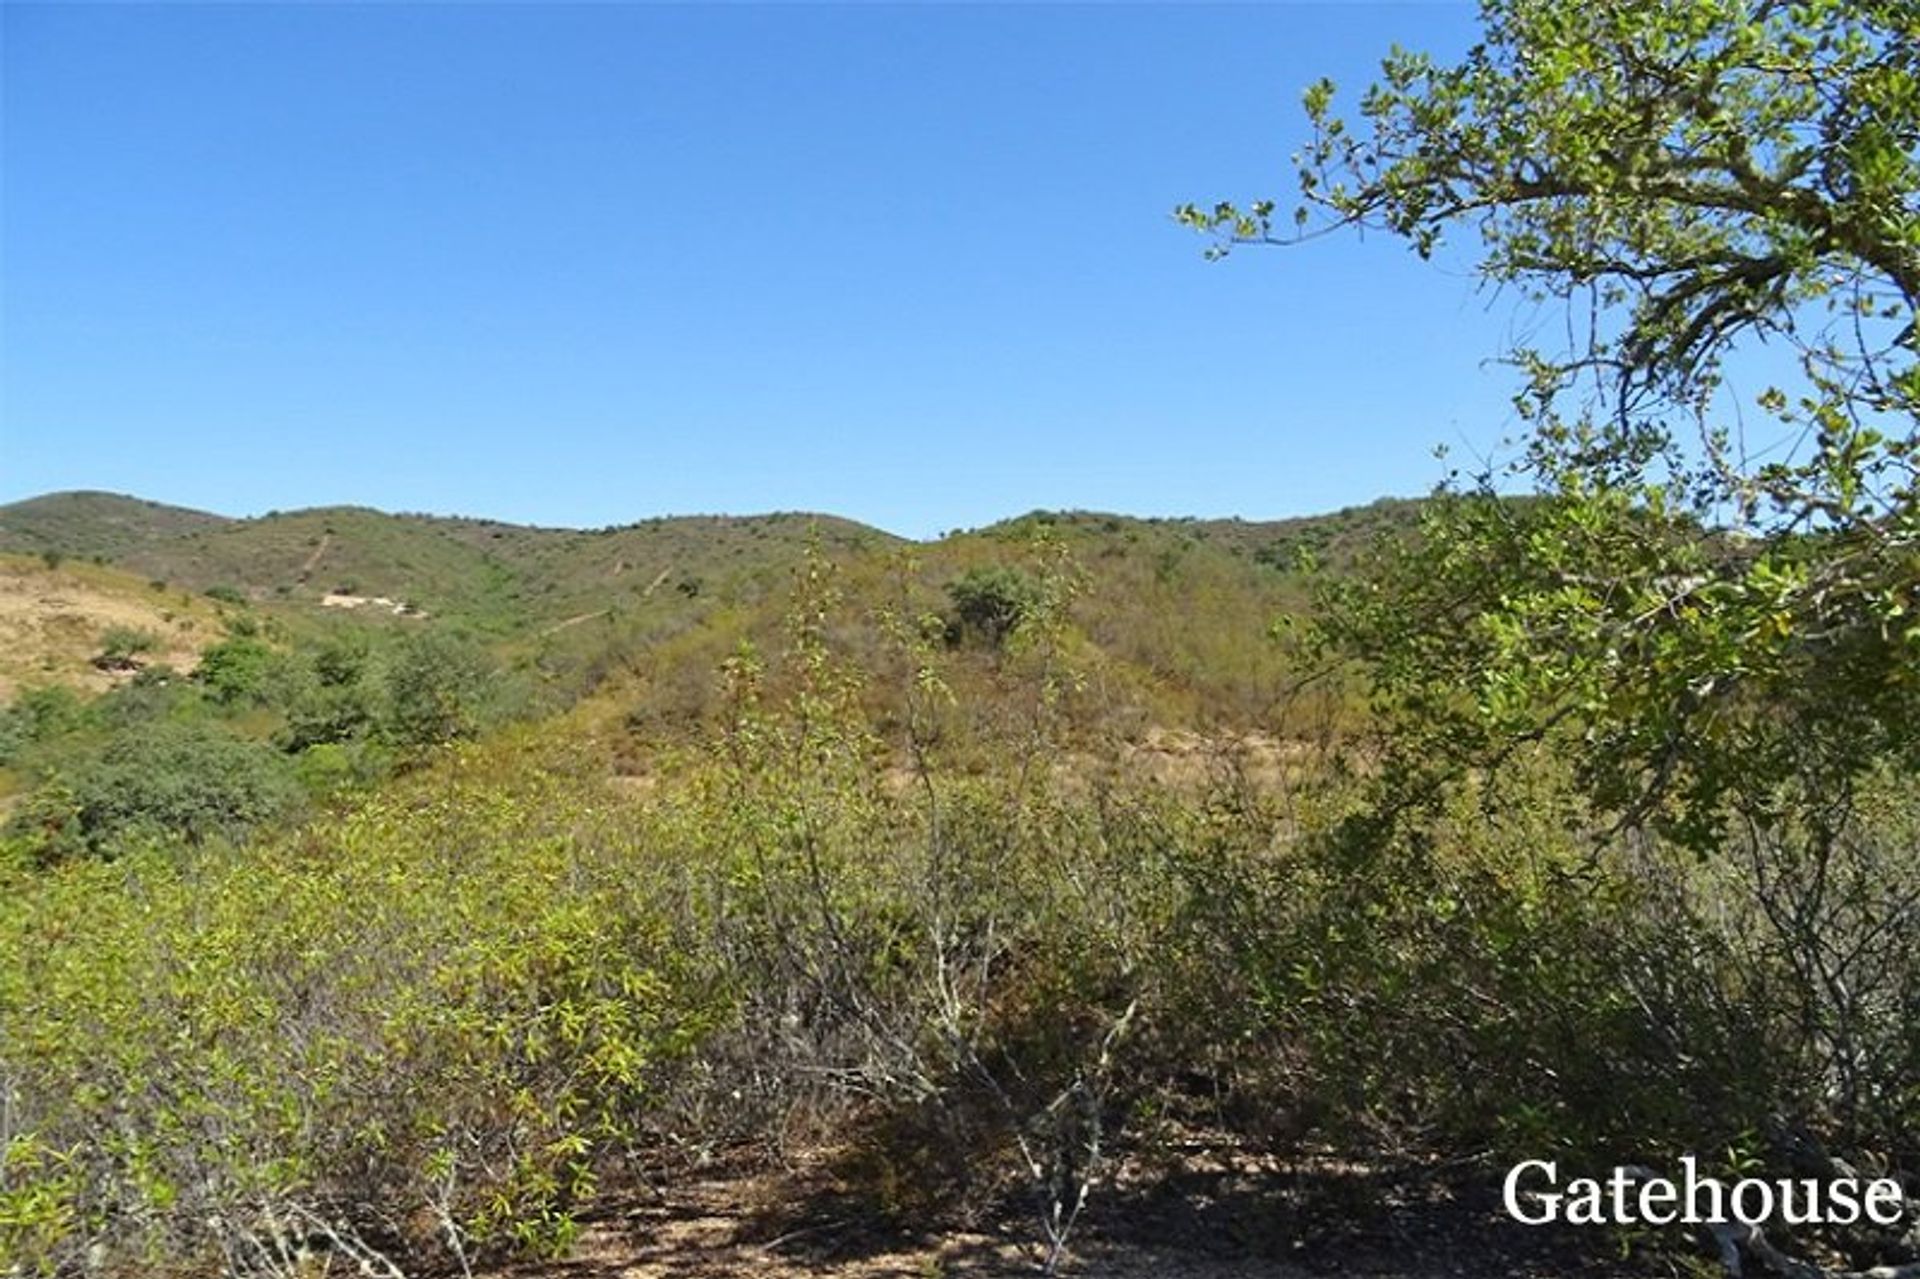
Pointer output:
x,y
1587,825
433,1019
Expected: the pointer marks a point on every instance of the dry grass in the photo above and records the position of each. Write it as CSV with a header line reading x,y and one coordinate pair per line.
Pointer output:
x,y
52,620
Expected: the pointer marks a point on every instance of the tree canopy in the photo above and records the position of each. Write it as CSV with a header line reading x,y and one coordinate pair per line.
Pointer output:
x,y
1714,595
1700,172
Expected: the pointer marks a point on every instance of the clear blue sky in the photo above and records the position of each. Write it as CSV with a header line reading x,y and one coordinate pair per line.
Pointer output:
x,y
583,264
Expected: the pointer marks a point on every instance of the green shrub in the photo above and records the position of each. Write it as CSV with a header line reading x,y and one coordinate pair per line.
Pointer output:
x,y
164,780
242,671
38,715
990,603
428,1023
342,660
328,714
431,1015
121,647
438,690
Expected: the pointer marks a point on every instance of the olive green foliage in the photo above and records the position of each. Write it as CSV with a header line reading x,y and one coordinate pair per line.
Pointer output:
x,y
241,670
231,749
463,1002
457,1004
97,526
656,605
163,780
988,604
120,646
1692,176
37,715
433,1024
341,702
1618,864
437,689
433,1011
1703,640
1709,166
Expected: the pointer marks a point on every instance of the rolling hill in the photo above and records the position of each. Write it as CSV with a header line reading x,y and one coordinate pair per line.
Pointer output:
x,y
1173,612
501,575
92,523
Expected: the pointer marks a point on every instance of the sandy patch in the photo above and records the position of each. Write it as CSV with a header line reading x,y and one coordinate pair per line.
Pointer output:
x,y
378,603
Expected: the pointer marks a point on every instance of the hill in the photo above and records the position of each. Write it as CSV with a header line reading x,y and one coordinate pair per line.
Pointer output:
x,y
1171,611
1026,839
502,576
92,523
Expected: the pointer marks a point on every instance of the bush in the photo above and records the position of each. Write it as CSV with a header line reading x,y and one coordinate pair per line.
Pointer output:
x,y
242,671
438,690
426,1018
328,714
160,780
427,1025
990,603
121,647
37,715
342,660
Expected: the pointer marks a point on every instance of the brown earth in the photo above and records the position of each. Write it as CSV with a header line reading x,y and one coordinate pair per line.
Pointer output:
x,y
52,621
1208,1221
1180,757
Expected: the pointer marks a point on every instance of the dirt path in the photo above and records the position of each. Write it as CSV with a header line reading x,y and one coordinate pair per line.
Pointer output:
x,y
573,621
313,560
701,1231
788,1224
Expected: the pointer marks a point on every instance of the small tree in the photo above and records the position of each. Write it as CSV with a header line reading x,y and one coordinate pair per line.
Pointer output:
x,y
437,690
241,670
1710,614
121,647
990,603
1714,628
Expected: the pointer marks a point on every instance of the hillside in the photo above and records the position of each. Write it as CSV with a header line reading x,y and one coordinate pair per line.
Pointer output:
x,y
54,621
91,523
811,900
503,577
1166,606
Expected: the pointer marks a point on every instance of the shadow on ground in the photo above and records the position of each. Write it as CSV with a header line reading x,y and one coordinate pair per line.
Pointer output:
x,y
1191,1215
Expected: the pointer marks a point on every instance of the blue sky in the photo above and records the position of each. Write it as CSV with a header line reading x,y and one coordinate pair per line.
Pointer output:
x,y
583,264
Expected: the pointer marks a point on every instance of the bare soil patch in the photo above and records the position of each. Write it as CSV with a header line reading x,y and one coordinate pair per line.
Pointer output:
x,y
377,603
1212,1220
52,621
